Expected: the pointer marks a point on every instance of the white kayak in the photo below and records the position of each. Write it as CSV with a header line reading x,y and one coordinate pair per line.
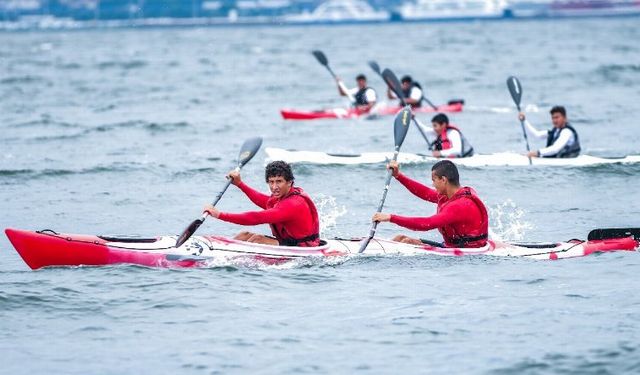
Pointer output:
x,y
49,249
501,159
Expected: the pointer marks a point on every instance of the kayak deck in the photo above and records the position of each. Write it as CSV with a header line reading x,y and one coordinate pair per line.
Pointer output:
x,y
48,248
502,159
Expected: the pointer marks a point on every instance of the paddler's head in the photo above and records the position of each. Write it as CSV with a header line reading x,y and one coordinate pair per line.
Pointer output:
x,y
361,79
439,122
406,82
445,177
558,116
279,178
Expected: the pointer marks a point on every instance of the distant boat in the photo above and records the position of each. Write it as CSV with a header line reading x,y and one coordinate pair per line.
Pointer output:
x,y
594,8
341,11
451,9
574,8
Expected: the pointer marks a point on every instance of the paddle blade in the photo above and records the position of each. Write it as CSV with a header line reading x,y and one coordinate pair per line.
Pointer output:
x,y
248,150
319,55
609,233
401,125
515,89
394,84
189,231
374,65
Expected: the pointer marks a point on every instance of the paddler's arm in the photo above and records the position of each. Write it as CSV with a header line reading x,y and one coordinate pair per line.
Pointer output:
x,y
456,145
284,212
414,97
439,220
533,132
371,101
416,188
340,90
255,196
559,144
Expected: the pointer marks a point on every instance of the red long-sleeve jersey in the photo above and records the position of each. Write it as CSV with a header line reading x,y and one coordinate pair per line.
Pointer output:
x,y
294,217
462,219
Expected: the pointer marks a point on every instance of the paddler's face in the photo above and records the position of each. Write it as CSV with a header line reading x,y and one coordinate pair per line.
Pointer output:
x,y
558,119
279,186
362,83
439,183
437,127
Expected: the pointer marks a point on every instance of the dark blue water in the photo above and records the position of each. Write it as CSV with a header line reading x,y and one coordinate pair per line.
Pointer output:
x,y
131,131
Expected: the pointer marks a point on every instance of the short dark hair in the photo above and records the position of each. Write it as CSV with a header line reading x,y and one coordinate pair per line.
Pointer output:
x,y
558,109
278,168
406,79
446,168
361,76
440,118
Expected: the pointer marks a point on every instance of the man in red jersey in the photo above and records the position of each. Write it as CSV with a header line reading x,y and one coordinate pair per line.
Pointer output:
x,y
288,210
461,217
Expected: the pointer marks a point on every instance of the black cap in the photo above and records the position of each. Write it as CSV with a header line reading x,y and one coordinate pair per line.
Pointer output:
x,y
361,76
406,79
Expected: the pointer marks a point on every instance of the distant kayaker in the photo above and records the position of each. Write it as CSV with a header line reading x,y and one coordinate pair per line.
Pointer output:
x,y
449,140
562,140
364,95
411,91
288,210
461,216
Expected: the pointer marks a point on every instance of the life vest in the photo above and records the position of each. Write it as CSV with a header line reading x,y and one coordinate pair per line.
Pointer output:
x,y
279,230
476,237
443,142
361,97
407,94
567,151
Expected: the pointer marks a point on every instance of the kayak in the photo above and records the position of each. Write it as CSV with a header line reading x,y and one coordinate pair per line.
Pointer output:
x,y
501,159
47,248
351,113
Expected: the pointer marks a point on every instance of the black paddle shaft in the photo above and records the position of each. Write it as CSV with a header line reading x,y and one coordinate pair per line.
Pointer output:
x,y
515,89
248,150
400,128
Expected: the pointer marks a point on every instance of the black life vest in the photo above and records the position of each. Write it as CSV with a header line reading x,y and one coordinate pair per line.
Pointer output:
x,y
407,94
568,151
444,143
361,97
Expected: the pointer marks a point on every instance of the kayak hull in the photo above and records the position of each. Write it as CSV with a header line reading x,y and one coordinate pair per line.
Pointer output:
x,y
50,249
502,159
352,113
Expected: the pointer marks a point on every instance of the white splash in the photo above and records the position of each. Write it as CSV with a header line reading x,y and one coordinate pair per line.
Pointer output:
x,y
507,223
329,211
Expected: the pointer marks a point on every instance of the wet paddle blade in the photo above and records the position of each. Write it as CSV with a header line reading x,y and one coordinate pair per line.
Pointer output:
x,y
248,150
515,89
401,125
189,231
319,55
609,233
374,65
394,84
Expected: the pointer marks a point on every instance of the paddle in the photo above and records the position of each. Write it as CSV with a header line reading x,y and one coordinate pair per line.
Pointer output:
x,y
322,59
608,233
424,99
248,150
394,84
375,67
516,94
400,128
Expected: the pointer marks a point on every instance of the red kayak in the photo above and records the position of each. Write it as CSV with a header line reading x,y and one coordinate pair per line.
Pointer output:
x,y
47,248
351,113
